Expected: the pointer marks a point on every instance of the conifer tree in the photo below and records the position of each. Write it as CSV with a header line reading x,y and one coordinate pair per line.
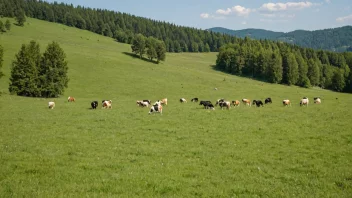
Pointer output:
x,y
53,71
24,72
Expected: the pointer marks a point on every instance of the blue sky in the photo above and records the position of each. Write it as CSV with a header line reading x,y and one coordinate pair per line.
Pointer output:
x,y
236,14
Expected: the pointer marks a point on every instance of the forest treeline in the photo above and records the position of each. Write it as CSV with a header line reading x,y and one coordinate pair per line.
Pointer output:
x,y
272,61
283,63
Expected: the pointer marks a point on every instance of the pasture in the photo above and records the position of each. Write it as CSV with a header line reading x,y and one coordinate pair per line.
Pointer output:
x,y
73,151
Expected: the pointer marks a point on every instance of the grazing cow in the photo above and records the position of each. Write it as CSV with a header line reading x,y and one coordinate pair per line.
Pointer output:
x,y
219,100
51,105
304,101
107,104
317,100
268,100
194,100
148,101
71,99
102,102
246,102
163,101
225,104
94,104
157,108
236,103
142,103
286,102
182,100
207,104
258,103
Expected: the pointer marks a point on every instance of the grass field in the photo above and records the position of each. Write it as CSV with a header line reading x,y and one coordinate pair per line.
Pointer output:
x,y
72,151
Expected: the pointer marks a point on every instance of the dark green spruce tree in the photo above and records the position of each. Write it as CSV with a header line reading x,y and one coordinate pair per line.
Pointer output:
x,y
24,71
53,71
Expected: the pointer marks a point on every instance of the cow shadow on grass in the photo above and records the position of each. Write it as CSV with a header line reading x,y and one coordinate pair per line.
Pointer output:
x,y
137,56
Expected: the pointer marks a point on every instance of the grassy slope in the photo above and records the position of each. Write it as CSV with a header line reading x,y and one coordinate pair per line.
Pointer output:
x,y
187,151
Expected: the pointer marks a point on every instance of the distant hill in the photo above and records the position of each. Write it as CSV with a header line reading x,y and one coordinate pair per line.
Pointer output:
x,y
335,39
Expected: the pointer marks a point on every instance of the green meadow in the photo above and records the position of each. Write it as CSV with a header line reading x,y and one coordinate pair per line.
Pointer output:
x,y
73,151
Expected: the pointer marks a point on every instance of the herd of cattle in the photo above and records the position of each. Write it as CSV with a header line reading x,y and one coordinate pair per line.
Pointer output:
x,y
157,107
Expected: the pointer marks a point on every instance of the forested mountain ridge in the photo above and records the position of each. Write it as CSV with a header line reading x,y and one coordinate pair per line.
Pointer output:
x,y
334,39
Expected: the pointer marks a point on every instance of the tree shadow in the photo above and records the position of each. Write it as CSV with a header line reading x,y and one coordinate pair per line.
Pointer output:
x,y
136,56
215,68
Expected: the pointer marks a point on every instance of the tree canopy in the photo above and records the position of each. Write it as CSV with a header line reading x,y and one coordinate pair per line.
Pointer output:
x,y
37,75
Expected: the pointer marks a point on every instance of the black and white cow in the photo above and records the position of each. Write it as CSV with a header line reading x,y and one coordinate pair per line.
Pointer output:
x,y
148,101
194,100
183,100
219,101
268,100
157,108
223,104
94,104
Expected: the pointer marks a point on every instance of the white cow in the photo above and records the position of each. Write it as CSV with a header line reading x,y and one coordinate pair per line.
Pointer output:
x,y
51,105
304,101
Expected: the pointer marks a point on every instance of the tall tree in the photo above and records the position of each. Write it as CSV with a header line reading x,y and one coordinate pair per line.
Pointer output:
x,y
20,17
138,45
292,69
151,48
338,80
313,72
160,51
2,27
53,71
274,70
8,24
24,71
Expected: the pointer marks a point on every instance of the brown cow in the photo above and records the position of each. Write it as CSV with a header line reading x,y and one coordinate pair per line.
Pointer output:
x,y
236,103
71,99
246,102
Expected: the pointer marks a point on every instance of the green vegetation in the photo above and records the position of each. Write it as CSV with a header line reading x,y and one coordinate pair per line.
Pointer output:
x,y
1,61
36,75
287,64
2,27
72,151
333,39
20,17
8,25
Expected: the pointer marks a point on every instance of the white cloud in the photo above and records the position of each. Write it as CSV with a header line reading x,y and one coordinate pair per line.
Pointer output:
x,y
279,15
224,12
273,7
273,21
204,15
345,19
238,10
208,16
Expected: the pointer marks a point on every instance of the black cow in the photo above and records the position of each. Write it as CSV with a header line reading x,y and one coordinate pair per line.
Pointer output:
x,y
206,104
268,100
258,103
194,100
94,104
